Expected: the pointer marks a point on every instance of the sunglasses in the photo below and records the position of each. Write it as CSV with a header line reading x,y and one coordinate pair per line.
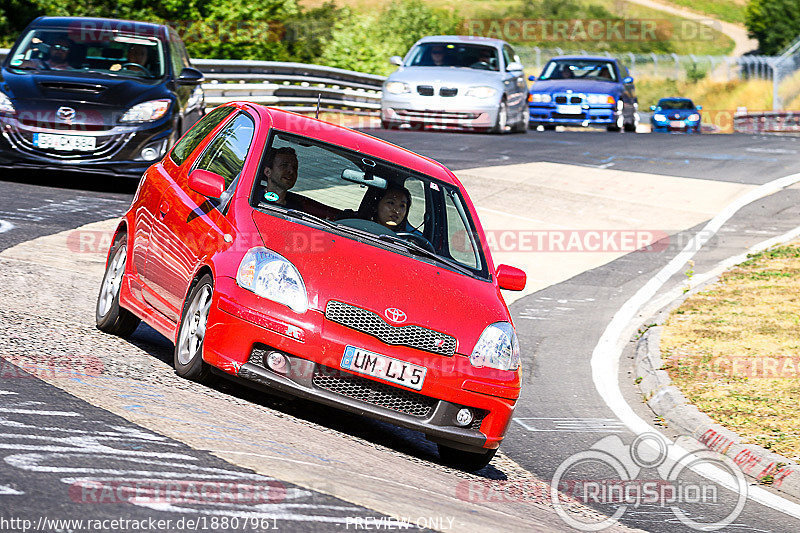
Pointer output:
x,y
60,47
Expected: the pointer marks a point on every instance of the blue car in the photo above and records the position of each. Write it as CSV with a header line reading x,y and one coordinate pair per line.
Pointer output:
x,y
583,91
676,115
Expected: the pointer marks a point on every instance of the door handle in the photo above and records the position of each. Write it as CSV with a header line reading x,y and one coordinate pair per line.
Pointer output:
x,y
164,209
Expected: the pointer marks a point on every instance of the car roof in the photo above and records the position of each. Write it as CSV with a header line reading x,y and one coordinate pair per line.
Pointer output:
x,y
97,23
461,39
351,139
593,58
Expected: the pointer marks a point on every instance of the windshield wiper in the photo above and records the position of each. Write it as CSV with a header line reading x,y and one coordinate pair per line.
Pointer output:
x,y
413,247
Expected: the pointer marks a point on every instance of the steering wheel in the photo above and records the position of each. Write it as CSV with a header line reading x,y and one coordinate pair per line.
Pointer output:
x,y
418,239
136,66
483,65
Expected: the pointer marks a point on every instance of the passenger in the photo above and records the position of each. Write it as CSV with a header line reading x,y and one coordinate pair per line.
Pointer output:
x,y
437,56
59,52
281,175
393,207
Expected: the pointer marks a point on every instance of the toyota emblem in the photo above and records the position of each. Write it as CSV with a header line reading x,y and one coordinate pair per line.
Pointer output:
x,y
395,315
65,113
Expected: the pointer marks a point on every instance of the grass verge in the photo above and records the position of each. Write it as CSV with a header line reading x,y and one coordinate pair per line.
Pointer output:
x,y
734,350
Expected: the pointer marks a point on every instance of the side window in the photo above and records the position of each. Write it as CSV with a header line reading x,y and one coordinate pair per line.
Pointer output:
x,y
508,55
176,54
197,133
225,155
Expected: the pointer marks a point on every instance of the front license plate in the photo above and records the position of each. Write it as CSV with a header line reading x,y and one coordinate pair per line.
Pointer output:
x,y
383,367
66,143
569,109
676,124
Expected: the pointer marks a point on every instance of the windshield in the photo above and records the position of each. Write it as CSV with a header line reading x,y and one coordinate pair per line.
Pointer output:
x,y
110,53
675,104
581,69
365,197
454,55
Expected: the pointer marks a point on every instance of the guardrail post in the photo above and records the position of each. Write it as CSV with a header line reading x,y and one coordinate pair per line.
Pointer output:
x,y
677,65
655,63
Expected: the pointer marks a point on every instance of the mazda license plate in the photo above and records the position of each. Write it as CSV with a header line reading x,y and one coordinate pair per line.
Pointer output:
x,y
383,367
65,143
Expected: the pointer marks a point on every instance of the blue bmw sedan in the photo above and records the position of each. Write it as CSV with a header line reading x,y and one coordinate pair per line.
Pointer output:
x,y
583,91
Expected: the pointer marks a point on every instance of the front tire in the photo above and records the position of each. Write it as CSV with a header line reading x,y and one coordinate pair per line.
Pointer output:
x,y
521,126
467,461
188,358
109,316
502,118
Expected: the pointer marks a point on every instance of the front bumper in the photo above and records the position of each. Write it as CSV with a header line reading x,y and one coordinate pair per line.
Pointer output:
x,y
455,112
118,149
590,115
243,327
670,127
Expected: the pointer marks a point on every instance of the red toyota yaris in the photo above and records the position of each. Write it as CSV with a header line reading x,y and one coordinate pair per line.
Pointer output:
x,y
297,256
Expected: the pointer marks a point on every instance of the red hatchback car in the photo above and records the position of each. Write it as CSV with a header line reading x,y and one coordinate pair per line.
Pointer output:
x,y
297,256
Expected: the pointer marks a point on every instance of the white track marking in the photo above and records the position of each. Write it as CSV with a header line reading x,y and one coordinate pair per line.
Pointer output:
x,y
5,226
7,392
606,355
8,491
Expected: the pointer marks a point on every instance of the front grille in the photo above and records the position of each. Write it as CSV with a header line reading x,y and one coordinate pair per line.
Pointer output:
x,y
372,324
569,115
411,113
373,392
425,90
571,99
561,99
480,414
575,100
448,91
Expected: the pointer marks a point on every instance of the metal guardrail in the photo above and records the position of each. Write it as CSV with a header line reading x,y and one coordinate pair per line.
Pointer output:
x,y
292,86
767,123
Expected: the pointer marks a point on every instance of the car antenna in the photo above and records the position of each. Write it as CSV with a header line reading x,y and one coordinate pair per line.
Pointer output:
x,y
319,97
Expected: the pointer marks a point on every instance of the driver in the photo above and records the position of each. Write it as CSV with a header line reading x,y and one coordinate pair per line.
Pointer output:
x,y
137,54
393,207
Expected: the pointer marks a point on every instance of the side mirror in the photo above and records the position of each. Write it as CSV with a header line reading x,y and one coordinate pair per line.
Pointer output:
x,y
511,278
514,65
190,76
699,107
627,80
396,60
652,108
207,183
531,78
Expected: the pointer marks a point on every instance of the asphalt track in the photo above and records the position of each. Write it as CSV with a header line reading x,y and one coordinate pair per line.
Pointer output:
x,y
561,414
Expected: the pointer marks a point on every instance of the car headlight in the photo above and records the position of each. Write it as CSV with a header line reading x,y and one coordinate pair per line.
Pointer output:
x,y
272,276
497,347
540,98
481,92
658,117
146,111
397,87
5,104
596,98
694,117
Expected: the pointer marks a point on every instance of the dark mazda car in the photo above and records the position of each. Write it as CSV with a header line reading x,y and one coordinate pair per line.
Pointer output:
x,y
95,95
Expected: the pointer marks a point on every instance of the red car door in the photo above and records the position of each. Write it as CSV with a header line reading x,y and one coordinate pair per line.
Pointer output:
x,y
190,227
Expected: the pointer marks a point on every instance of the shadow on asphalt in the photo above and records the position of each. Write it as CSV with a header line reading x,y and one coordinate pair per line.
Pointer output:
x,y
406,441
70,179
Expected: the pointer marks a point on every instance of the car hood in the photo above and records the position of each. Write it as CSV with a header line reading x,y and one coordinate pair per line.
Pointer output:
x,y
447,76
101,90
577,86
370,277
677,113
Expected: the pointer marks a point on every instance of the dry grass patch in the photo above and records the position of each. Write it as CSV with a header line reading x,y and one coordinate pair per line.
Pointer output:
x,y
734,350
